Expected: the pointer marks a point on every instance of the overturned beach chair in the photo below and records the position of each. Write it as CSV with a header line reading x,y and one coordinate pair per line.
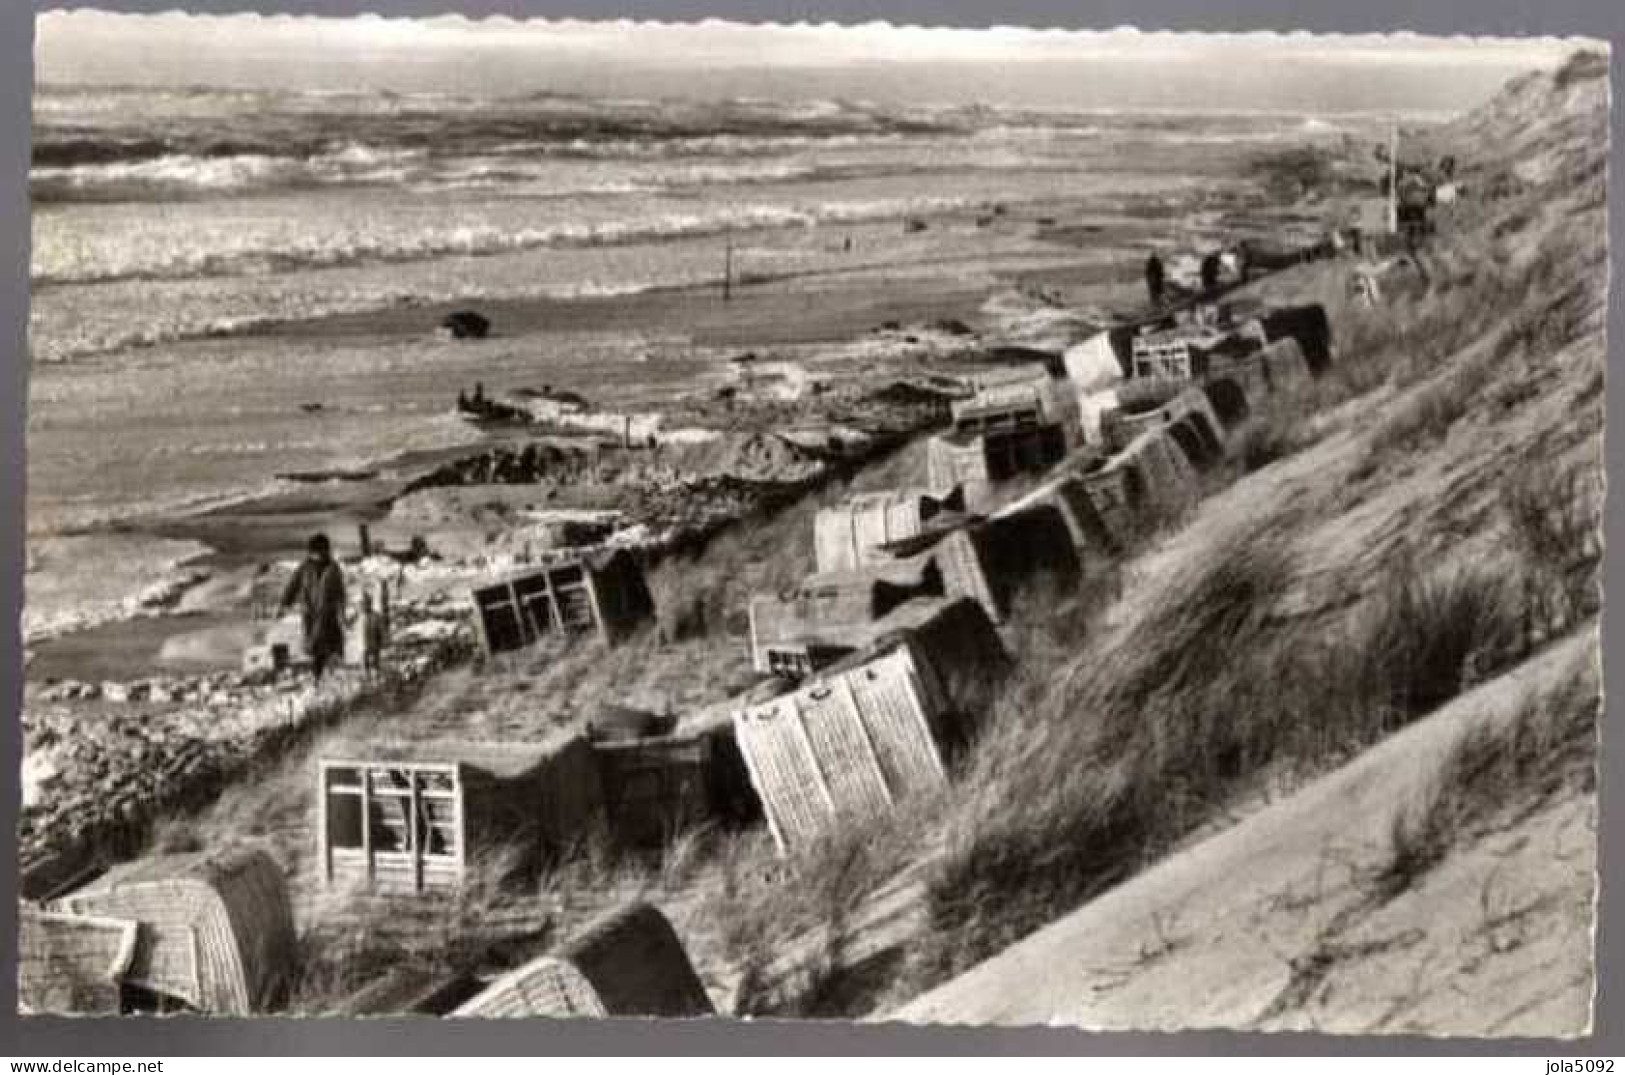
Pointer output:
x,y
872,730
214,929
856,532
630,963
603,594
72,964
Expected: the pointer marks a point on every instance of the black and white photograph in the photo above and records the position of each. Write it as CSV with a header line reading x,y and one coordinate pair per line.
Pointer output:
x,y
978,526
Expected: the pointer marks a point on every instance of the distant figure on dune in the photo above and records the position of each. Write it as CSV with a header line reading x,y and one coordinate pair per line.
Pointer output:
x,y
1210,274
318,588
1154,279
372,636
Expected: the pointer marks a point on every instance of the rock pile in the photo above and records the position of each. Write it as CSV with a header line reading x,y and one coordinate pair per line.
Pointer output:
x,y
163,743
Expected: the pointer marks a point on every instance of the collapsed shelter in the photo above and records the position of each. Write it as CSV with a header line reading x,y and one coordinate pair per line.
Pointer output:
x,y
213,930
630,963
603,593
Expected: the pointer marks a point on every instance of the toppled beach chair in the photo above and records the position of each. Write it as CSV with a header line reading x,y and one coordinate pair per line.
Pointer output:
x,y
1163,476
603,593
855,533
1002,431
795,633
980,462
1185,352
1306,324
1117,495
993,560
1082,509
1285,365
655,787
1013,399
407,818
72,964
1101,361
870,731
409,991
1188,416
630,963
1233,390
987,560
214,929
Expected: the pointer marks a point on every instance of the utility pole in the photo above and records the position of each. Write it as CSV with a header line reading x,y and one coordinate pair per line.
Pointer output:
x,y
1393,176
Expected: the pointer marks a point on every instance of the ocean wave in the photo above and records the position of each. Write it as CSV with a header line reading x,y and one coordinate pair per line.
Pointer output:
x,y
101,171
181,173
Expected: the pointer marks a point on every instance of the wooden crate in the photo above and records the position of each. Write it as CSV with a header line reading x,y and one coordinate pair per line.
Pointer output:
x,y
411,819
604,594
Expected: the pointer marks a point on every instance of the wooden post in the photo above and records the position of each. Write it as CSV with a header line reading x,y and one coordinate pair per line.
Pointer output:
x,y
593,605
1393,176
555,611
728,270
383,610
366,540
366,821
413,844
322,831
459,818
479,622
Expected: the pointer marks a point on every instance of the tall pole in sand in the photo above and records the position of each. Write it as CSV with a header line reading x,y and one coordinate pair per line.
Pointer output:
x,y
728,269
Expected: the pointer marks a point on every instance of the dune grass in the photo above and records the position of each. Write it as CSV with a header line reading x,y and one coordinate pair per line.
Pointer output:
x,y
1494,769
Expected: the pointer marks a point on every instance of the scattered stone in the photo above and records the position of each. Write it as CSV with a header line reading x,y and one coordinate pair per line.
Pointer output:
x,y
465,325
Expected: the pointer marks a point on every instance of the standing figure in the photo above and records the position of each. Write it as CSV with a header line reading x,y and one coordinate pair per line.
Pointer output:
x,y
1154,279
318,588
372,636
1210,274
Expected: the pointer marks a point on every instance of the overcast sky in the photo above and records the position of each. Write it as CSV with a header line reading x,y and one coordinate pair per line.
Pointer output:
x,y
1001,65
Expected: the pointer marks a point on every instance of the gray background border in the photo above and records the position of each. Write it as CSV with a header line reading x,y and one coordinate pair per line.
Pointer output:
x,y
51,1037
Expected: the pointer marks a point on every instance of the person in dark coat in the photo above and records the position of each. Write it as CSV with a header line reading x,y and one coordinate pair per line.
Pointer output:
x,y
1210,274
317,587
1154,279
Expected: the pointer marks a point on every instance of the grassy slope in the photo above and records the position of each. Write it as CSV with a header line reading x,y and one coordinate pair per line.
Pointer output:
x,y
1435,524
350,937
1340,908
